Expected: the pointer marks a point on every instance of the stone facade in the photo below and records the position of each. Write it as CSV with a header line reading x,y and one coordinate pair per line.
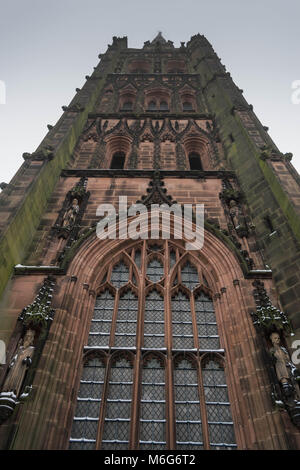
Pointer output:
x,y
156,111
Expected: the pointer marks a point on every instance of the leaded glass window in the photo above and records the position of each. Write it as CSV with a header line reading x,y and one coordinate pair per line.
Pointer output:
x,y
182,322
220,425
187,407
125,334
85,422
120,274
206,323
101,322
154,322
152,408
118,406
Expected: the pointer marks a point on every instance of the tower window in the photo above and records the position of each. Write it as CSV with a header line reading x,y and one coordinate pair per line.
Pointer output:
x,y
127,106
152,106
118,161
163,106
187,106
195,161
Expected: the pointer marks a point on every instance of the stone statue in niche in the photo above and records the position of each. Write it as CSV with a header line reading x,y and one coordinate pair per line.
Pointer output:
x,y
287,373
234,213
237,218
19,365
70,214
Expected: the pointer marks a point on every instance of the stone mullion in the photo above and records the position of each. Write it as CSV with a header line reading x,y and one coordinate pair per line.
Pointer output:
x,y
103,404
114,320
170,406
204,420
136,398
194,320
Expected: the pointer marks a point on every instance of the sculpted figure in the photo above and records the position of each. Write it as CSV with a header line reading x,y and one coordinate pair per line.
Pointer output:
x,y
234,213
71,213
19,365
286,371
283,363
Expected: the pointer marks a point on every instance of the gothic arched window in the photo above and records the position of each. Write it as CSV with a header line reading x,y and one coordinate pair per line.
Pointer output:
x,y
153,374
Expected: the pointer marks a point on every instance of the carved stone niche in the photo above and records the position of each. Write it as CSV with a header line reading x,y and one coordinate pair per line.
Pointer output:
x,y
273,326
72,210
232,202
24,350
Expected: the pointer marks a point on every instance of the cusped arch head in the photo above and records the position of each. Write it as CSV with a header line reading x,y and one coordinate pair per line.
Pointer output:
x,y
221,264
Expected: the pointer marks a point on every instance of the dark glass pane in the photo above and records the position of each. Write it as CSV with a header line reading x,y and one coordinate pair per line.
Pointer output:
x,y
195,161
125,334
85,423
120,274
137,258
221,431
164,106
127,106
118,161
172,258
101,322
152,412
152,106
182,322
187,406
118,407
154,330
206,323
189,276
155,270
187,106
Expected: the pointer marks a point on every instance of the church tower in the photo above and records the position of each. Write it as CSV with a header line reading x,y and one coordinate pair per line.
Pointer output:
x,y
143,342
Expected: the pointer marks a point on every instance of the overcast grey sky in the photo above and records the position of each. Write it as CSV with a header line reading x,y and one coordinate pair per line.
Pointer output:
x,y
47,48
